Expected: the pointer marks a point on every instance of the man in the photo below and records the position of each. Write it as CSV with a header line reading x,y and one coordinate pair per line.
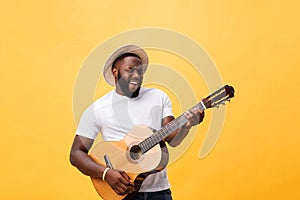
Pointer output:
x,y
117,112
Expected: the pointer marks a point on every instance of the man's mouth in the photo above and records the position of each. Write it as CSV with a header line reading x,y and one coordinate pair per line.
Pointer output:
x,y
134,83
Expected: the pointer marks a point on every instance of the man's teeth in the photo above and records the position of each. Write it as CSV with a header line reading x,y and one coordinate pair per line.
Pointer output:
x,y
133,82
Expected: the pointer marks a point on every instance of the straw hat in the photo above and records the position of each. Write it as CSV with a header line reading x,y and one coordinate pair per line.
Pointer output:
x,y
107,71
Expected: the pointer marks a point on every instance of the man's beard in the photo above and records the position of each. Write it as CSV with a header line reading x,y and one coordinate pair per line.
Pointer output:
x,y
124,86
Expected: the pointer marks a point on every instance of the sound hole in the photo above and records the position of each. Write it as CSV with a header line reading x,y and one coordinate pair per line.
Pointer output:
x,y
135,152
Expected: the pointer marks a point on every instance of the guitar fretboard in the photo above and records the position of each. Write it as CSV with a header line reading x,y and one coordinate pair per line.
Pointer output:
x,y
166,130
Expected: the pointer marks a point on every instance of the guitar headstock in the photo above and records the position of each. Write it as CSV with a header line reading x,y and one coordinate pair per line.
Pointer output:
x,y
219,97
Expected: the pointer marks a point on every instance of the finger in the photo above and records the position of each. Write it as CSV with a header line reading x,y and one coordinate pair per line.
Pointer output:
x,y
125,175
201,116
188,114
126,179
130,189
124,189
119,190
201,112
115,188
197,116
196,111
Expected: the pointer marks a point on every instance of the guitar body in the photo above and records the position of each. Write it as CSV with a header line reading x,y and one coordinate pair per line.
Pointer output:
x,y
138,168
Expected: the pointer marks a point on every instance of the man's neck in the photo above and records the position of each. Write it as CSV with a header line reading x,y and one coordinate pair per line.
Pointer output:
x,y
129,95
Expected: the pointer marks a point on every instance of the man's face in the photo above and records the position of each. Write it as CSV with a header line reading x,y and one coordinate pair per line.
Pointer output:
x,y
130,76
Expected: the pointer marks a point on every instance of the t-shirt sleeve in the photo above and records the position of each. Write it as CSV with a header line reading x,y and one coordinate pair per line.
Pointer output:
x,y
88,125
167,106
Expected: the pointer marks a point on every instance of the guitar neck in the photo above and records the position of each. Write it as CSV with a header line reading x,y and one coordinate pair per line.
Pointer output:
x,y
166,130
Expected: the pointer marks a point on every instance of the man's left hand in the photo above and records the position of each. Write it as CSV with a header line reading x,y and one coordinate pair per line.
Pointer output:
x,y
194,116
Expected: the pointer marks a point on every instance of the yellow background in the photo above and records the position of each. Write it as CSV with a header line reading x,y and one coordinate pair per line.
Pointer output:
x,y
254,44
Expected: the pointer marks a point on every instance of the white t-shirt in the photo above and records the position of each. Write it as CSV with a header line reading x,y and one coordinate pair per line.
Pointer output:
x,y
114,115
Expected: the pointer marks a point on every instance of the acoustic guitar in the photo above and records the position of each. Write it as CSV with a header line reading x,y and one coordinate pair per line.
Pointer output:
x,y
142,151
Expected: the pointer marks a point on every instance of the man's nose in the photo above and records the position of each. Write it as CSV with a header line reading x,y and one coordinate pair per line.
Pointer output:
x,y
135,73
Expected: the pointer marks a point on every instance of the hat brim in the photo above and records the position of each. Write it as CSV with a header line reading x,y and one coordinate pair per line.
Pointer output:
x,y
107,70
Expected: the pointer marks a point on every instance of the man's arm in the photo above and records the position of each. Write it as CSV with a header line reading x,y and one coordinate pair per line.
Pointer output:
x,y
79,157
118,180
194,117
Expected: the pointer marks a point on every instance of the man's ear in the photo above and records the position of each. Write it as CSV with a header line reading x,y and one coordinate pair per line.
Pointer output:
x,y
115,72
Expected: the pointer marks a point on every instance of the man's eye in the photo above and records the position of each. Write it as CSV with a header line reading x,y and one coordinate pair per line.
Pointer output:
x,y
140,71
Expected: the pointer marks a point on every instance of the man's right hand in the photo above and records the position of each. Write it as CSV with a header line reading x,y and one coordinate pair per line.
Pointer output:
x,y
119,181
